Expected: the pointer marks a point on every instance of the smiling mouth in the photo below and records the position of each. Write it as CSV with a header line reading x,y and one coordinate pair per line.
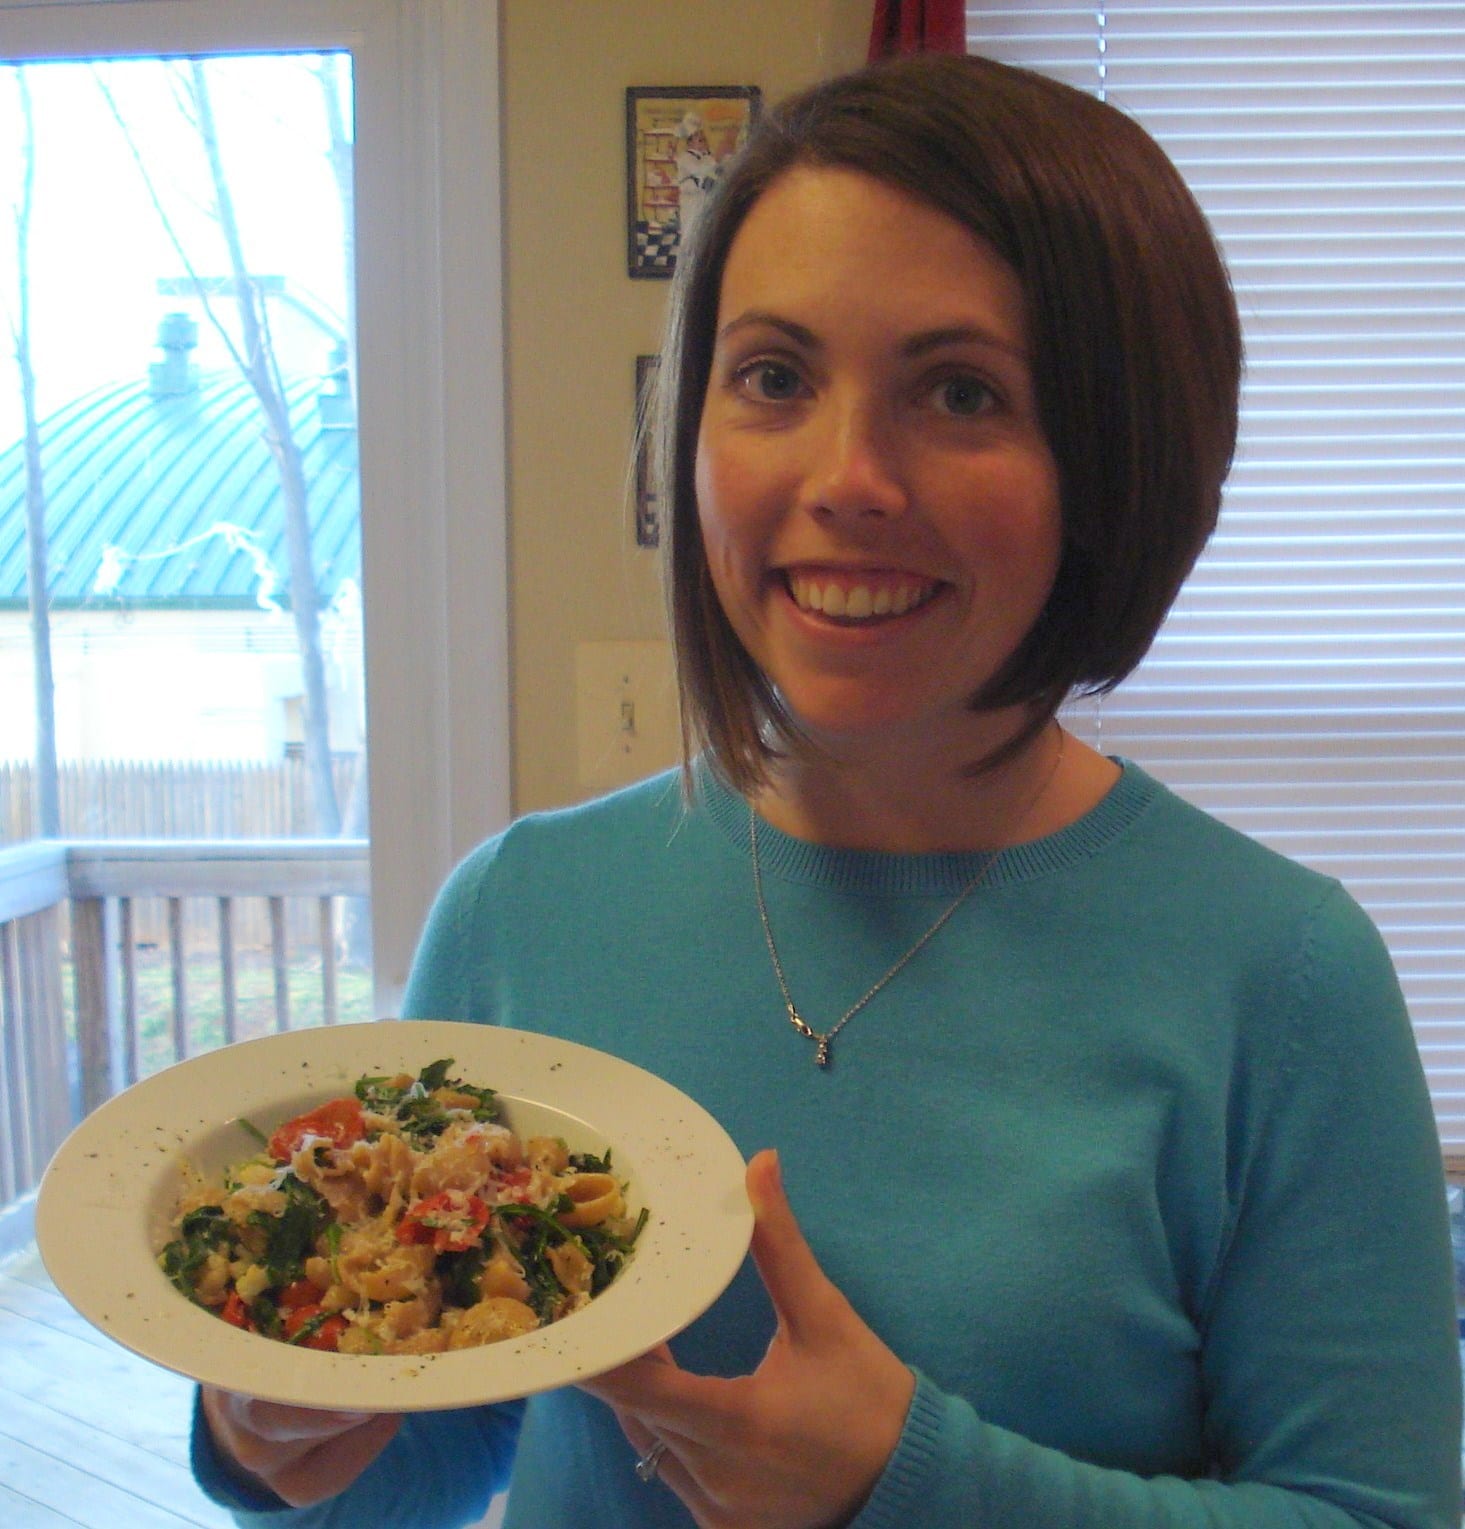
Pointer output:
x,y
859,596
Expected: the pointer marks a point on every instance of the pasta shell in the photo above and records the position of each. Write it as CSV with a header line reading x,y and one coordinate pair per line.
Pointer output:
x,y
596,1196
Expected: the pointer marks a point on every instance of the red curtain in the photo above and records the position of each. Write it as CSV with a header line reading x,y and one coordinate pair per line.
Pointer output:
x,y
918,26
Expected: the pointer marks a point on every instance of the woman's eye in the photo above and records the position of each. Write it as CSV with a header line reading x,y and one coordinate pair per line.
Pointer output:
x,y
963,396
770,381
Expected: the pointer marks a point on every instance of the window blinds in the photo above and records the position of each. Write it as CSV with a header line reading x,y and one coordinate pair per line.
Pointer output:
x,y
1309,686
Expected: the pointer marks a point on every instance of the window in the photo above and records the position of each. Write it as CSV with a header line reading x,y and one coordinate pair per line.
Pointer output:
x,y
430,409
1310,684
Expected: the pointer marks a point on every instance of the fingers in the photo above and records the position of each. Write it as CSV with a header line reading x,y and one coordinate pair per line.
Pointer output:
x,y
301,1454
671,1470
803,1297
664,1399
808,1306
804,1437
332,1466
630,1384
286,1425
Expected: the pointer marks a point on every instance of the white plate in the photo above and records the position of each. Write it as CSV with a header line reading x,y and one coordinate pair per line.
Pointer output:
x,y
107,1201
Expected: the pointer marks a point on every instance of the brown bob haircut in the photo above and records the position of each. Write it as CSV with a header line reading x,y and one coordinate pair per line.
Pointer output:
x,y
1136,360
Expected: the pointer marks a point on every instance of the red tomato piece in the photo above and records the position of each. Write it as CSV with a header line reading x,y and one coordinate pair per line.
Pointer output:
x,y
452,1221
236,1313
299,1293
327,1336
510,1179
339,1122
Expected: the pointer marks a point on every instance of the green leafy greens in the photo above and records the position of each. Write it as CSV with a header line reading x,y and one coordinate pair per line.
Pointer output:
x,y
289,1238
420,1116
201,1232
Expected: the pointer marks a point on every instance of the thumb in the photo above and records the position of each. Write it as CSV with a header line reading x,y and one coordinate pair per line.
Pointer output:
x,y
803,1297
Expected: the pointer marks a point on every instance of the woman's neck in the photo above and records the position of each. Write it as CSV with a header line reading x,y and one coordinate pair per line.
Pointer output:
x,y
914,805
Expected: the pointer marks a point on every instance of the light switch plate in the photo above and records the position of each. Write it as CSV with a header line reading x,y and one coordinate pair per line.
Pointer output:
x,y
626,715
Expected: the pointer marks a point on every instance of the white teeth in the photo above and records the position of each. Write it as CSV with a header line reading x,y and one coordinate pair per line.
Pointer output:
x,y
859,602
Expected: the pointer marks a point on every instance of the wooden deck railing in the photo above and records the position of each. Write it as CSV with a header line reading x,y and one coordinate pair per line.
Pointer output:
x,y
91,887
35,1104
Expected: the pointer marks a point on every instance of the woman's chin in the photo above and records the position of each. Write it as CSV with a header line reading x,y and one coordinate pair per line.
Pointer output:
x,y
852,724
859,722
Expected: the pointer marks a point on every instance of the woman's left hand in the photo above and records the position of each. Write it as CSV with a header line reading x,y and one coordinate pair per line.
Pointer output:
x,y
799,1443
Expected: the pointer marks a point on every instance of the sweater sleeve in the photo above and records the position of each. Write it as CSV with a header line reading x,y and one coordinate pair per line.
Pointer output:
x,y
1330,1358
439,1472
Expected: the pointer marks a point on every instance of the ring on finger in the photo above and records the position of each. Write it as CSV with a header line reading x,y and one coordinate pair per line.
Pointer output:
x,y
649,1463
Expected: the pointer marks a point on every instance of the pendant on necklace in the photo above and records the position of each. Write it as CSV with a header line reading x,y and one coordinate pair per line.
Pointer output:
x,y
821,1042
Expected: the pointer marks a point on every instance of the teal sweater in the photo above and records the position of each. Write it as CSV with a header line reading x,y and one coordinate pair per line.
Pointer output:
x,y
1133,1165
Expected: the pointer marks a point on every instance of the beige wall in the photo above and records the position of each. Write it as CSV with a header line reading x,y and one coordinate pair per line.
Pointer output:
x,y
576,321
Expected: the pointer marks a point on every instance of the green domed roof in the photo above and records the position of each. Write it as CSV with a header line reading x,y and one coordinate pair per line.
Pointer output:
x,y
175,500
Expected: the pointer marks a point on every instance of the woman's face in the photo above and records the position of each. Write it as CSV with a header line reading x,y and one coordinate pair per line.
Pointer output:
x,y
879,507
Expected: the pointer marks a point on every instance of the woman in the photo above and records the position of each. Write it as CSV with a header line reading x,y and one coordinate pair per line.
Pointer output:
x,y
1113,1195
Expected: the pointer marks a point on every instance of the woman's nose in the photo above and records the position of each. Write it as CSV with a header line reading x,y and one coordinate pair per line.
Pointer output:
x,y
857,474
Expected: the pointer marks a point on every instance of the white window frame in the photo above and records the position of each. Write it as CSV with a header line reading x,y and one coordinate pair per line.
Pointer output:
x,y
431,409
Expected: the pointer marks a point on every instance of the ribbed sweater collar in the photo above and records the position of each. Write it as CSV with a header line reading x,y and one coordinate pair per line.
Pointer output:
x,y
881,872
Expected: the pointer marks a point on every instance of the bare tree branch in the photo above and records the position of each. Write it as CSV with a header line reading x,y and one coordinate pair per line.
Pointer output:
x,y
220,328
343,161
255,357
182,92
47,784
264,375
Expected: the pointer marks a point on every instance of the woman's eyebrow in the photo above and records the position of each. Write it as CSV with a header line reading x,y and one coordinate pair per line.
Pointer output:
x,y
916,346
762,318
960,334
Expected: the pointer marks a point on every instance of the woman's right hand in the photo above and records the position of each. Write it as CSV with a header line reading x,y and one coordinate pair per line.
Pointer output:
x,y
300,1454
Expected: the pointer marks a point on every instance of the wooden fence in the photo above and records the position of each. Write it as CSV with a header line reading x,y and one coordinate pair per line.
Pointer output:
x,y
221,801
118,800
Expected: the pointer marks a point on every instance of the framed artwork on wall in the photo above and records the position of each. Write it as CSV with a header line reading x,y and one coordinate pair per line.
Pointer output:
x,y
677,139
648,522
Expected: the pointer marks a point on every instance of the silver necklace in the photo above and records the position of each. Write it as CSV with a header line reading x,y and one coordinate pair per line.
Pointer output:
x,y
824,1040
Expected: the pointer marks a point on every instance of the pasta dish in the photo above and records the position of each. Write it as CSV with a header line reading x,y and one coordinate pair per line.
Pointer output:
x,y
403,1218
